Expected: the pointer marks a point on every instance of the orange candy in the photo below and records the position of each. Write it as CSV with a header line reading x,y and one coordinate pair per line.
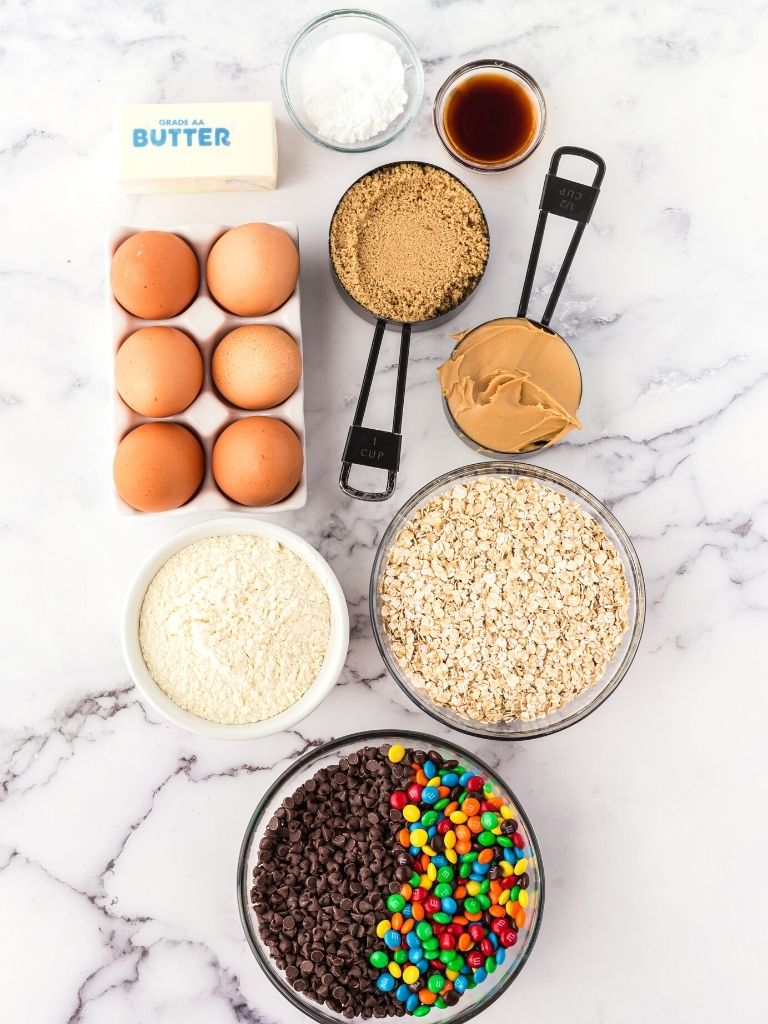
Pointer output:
x,y
426,997
404,837
462,833
473,917
450,808
496,911
485,856
470,806
475,825
421,778
417,912
520,918
406,926
463,846
460,892
406,891
396,921
465,943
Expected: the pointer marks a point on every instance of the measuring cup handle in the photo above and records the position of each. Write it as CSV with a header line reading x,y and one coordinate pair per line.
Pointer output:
x,y
377,448
562,197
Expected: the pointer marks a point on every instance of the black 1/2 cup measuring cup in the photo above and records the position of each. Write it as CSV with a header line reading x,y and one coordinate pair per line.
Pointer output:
x,y
563,198
366,446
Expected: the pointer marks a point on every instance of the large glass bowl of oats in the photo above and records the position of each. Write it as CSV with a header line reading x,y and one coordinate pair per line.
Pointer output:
x,y
506,600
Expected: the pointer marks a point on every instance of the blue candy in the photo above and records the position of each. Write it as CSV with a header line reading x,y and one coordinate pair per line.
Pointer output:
x,y
430,795
407,910
464,779
451,779
385,982
430,769
439,860
403,993
460,984
423,966
500,954
413,1002
415,955
449,905
393,940
480,975
412,940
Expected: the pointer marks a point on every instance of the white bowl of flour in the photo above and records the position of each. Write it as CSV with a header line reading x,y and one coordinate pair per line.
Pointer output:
x,y
235,629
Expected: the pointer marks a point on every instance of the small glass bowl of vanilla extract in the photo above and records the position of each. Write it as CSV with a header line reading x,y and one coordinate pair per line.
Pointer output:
x,y
490,115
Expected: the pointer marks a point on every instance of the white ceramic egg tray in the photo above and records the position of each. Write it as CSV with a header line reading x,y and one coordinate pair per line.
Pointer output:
x,y
207,323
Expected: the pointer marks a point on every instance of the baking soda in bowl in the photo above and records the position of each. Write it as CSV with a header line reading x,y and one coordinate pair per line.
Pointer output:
x,y
234,628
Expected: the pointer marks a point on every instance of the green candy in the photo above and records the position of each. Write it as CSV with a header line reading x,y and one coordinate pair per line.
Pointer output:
x,y
471,983
436,983
441,917
414,879
445,874
442,803
400,956
465,870
442,890
429,818
488,787
379,959
469,858
490,964
456,962
440,1003
483,900
514,892
487,820
504,841
431,944
471,905
395,903
487,839
421,1011
424,930
485,886
445,956
459,770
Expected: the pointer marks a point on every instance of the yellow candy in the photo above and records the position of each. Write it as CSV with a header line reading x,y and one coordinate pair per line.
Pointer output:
x,y
419,837
503,896
449,839
431,871
396,753
473,888
521,865
506,813
411,812
522,899
411,974
394,969
429,851
425,882
458,817
437,781
382,928
451,856
496,831
451,975
506,869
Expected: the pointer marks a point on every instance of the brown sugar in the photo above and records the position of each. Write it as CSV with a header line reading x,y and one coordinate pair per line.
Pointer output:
x,y
409,242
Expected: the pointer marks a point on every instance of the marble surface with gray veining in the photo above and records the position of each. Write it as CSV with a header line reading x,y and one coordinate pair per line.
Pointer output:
x,y
118,833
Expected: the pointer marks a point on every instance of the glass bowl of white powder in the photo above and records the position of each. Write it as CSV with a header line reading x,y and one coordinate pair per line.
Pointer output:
x,y
235,628
352,81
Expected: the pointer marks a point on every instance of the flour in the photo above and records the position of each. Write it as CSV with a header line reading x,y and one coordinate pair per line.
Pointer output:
x,y
353,87
234,628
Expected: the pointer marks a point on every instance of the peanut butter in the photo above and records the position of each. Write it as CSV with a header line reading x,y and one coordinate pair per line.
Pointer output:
x,y
512,386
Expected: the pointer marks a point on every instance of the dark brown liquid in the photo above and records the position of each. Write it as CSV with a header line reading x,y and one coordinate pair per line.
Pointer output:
x,y
490,118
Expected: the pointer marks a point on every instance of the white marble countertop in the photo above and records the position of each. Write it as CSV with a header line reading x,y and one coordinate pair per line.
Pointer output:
x,y
118,833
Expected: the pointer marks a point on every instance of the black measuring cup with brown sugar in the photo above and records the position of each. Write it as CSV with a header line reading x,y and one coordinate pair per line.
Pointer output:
x,y
366,446
561,197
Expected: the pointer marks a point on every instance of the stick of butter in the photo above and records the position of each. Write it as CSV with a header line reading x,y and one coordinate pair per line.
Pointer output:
x,y
196,147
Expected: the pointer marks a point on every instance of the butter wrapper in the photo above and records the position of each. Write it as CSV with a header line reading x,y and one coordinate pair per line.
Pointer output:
x,y
196,147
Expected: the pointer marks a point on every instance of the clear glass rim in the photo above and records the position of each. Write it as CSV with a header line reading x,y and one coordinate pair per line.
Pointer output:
x,y
510,468
348,12
294,769
490,64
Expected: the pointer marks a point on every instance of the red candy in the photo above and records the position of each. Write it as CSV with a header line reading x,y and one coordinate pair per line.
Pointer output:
x,y
456,929
476,932
447,941
486,946
510,882
418,894
398,799
518,840
508,939
444,825
475,783
475,958
499,925
432,904
414,792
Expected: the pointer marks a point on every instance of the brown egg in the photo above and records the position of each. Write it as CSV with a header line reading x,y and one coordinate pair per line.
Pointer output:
x,y
158,371
252,269
158,466
257,366
154,275
257,460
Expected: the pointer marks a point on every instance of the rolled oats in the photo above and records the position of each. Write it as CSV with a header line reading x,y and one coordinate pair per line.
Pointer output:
x,y
503,599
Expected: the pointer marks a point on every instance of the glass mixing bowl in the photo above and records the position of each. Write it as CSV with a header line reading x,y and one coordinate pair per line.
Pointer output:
x,y
587,701
332,24
474,1000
